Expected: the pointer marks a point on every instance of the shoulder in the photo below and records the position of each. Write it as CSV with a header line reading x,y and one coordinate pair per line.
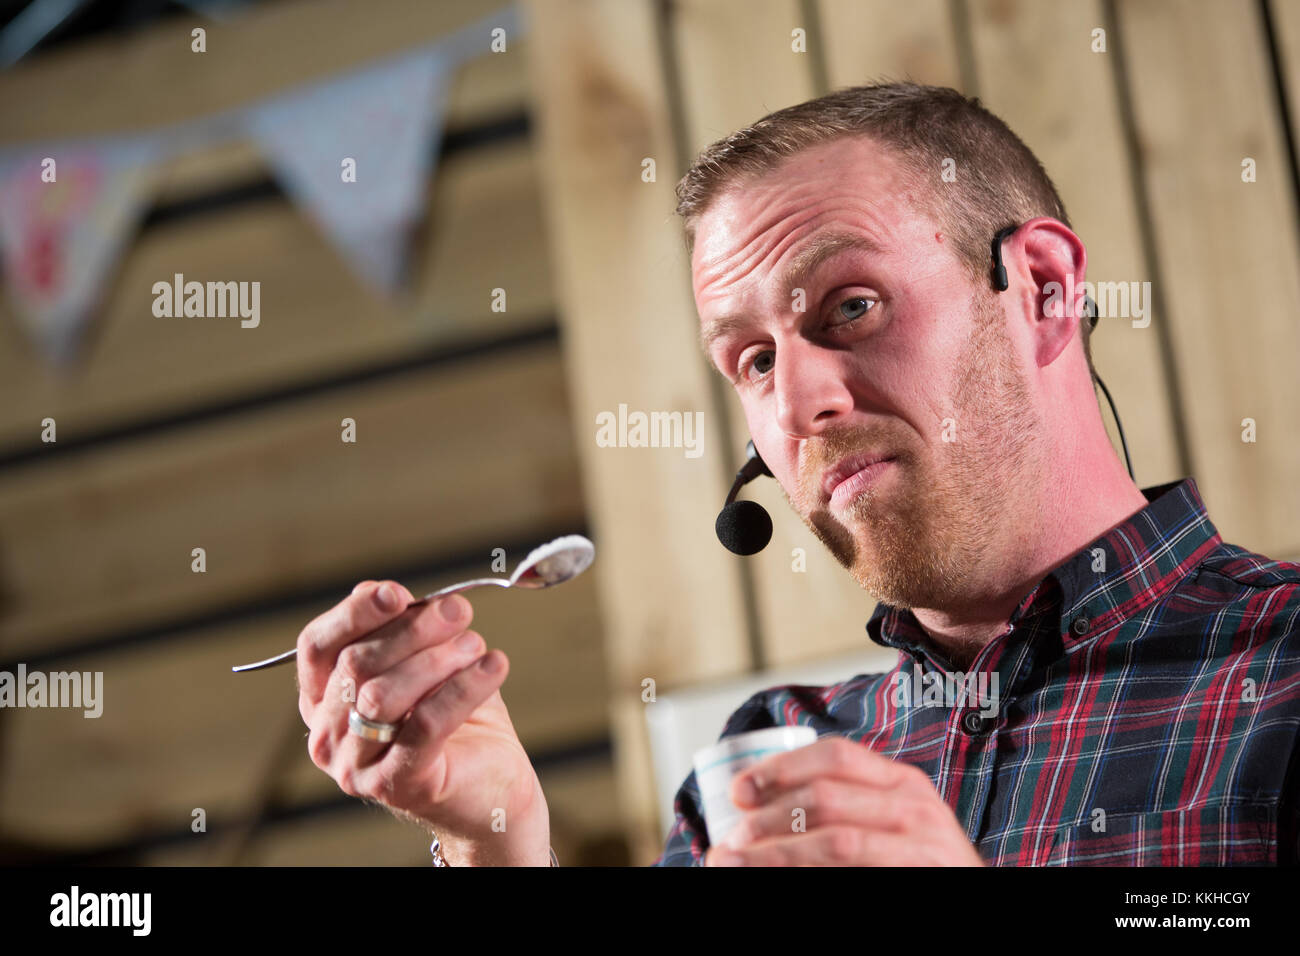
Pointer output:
x,y
821,706
1251,570
1259,591
1249,608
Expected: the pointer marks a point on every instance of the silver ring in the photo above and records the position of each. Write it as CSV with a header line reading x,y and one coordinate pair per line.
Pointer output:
x,y
370,729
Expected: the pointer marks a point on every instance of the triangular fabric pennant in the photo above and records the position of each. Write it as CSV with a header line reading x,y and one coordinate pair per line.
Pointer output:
x,y
387,120
59,239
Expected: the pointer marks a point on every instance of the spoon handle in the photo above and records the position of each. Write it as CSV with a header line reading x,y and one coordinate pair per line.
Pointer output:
x,y
441,592
463,586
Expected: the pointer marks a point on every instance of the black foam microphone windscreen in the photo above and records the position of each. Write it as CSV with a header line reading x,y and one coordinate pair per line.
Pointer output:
x,y
744,527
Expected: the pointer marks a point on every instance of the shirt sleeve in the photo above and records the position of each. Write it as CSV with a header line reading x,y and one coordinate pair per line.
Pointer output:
x,y
688,839
1288,849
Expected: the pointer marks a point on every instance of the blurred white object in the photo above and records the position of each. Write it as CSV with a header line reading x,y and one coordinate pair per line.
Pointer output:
x,y
717,766
687,720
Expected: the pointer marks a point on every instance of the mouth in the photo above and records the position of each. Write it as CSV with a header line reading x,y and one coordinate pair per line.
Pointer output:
x,y
852,475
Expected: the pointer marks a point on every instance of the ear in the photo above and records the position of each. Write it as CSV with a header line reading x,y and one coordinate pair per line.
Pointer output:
x,y
1046,264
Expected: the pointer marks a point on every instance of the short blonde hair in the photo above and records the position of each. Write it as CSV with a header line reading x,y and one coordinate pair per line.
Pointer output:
x,y
998,180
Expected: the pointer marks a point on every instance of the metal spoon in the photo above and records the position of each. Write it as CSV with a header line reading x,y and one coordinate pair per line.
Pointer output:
x,y
552,563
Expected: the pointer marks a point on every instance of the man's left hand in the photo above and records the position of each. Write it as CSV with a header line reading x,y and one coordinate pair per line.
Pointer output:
x,y
838,803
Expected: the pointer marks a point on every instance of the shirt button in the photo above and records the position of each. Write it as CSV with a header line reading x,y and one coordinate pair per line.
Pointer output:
x,y
1080,625
973,722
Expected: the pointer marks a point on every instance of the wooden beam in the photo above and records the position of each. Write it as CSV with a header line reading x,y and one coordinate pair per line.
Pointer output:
x,y
1037,72
671,596
1285,17
178,730
485,232
111,84
1228,249
278,500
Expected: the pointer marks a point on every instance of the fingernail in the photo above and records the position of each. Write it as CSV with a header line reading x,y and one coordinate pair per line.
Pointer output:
x,y
449,608
489,663
386,598
467,641
747,790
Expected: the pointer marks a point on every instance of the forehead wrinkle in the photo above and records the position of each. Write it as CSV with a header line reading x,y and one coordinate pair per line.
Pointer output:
x,y
820,250
805,264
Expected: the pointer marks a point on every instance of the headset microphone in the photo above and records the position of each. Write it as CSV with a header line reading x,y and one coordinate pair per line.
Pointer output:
x,y
745,527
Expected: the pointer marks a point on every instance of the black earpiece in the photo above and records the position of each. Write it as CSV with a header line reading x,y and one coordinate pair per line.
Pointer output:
x,y
1000,280
745,527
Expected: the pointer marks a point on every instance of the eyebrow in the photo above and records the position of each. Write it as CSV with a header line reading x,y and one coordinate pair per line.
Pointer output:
x,y
801,269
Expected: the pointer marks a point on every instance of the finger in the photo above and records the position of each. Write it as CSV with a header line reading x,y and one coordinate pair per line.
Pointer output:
x,y
829,846
432,721
412,631
830,802
360,662
390,696
831,756
329,726
359,613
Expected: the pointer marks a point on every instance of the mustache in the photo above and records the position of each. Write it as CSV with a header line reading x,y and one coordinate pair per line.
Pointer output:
x,y
827,449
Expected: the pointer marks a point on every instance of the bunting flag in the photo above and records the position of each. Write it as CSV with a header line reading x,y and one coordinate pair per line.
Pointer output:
x,y
355,151
65,216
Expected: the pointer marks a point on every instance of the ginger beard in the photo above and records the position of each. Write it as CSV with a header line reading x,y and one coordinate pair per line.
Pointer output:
x,y
918,535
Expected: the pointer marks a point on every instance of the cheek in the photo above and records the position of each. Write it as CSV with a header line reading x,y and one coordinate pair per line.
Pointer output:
x,y
764,434
913,383
771,444
895,373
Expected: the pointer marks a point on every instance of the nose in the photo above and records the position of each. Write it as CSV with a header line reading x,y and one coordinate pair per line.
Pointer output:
x,y
810,388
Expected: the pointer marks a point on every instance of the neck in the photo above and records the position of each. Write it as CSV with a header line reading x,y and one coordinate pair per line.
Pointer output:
x,y
1084,493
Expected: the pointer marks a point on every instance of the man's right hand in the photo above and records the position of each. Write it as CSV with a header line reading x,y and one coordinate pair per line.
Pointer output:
x,y
456,763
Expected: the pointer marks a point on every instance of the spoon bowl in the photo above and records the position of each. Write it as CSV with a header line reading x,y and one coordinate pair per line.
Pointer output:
x,y
545,566
554,562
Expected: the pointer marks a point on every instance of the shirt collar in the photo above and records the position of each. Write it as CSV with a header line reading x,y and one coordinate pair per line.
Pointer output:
x,y
1130,566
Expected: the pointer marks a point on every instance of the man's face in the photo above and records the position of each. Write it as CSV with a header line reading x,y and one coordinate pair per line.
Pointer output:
x,y
883,348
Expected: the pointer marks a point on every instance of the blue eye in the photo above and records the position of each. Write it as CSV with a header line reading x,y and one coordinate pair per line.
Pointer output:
x,y
764,361
866,305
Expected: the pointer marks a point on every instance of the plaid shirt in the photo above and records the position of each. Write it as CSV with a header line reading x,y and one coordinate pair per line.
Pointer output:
x,y
1141,708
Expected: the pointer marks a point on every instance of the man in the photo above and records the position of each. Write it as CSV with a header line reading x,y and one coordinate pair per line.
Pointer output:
x,y
943,439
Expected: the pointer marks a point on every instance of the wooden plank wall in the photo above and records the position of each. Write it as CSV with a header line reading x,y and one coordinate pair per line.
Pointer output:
x,y
1145,143
179,435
